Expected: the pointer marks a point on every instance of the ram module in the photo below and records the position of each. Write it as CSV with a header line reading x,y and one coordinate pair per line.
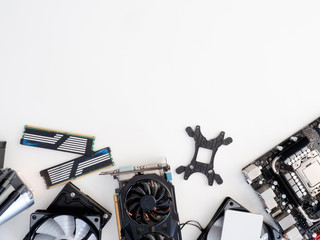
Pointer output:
x,y
58,140
70,170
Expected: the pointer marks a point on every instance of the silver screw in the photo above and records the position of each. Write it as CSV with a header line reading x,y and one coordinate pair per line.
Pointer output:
x,y
72,194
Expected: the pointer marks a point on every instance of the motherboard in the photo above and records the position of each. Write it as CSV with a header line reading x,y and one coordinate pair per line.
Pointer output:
x,y
287,181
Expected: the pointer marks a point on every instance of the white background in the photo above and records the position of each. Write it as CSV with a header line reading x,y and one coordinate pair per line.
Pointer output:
x,y
136,73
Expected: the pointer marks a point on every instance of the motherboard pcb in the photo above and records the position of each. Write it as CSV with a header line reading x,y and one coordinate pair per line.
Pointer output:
x,y
287,181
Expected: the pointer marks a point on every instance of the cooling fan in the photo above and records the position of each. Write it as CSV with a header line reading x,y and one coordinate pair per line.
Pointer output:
x,y
49,226
145,203
148,202
71,216
214,228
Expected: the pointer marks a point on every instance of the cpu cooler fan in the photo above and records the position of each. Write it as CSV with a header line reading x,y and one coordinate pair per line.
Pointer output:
x,y
71,216
145,203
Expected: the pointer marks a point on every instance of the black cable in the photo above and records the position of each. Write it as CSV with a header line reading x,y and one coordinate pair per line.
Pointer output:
x,y
197,225
192,223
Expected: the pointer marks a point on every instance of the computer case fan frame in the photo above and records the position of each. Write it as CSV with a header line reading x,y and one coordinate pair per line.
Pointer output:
x,y
39,217
230,204
71,201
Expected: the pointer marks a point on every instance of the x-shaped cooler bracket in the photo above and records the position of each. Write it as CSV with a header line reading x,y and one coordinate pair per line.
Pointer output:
x,y
202,142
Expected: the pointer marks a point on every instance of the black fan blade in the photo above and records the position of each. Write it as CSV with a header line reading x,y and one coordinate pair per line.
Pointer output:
x,y
154,236
154,188
160,237
160,194
143,216
149,237
146,187
133,197
132,206
165,203
153,218
138,190
136,214
161,212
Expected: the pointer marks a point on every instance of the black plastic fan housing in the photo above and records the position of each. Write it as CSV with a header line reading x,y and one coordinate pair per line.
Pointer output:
x,y
71,216
52,226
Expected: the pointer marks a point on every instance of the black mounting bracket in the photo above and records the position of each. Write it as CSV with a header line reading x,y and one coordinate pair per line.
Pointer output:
x,y
202,142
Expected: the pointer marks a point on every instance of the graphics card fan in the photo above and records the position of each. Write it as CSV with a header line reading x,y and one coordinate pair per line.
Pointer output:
x,y
148,202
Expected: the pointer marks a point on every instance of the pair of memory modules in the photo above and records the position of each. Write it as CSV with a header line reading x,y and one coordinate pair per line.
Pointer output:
x,y
90,161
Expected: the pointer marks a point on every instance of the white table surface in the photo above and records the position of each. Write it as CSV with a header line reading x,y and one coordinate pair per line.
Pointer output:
x,y
136,73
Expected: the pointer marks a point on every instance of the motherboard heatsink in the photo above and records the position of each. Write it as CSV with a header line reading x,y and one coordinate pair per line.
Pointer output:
x,y
145,203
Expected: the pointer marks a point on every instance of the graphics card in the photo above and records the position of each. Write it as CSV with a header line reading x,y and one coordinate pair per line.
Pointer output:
x,y
145,203
287,180
72,215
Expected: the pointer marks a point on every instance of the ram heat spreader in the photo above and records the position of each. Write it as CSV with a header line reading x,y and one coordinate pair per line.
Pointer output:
x,y
70,170
58,140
